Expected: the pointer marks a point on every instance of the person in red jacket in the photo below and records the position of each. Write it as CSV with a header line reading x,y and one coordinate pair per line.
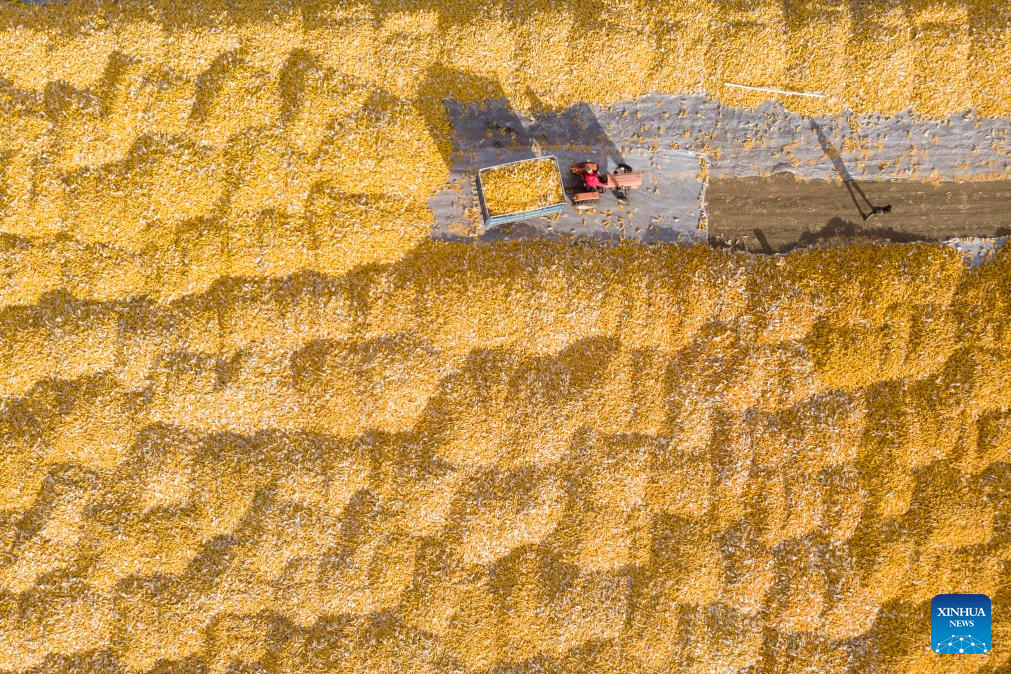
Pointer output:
x,y
592,179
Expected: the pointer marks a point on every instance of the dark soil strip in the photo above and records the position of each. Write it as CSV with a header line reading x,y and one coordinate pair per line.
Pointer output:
x,y
780,212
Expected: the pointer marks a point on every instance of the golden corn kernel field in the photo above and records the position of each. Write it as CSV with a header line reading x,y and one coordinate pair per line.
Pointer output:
x,y
253,419
626,459
523,186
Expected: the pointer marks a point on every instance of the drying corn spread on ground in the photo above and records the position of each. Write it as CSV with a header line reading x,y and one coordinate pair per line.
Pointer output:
x,y
251,419
522,186
627,459
937,56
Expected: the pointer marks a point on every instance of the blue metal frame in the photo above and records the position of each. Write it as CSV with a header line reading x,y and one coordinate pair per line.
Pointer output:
x,y
492,220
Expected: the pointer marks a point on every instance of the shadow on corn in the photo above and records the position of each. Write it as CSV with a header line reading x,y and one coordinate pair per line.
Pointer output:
x,y
503,127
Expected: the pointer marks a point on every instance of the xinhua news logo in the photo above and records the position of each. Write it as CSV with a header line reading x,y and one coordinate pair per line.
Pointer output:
x,y
960,624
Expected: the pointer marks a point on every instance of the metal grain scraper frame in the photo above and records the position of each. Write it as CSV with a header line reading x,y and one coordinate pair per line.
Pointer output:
x,y
544,211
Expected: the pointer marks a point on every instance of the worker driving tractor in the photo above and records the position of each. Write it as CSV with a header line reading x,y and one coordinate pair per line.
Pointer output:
x,y
592,179
594,183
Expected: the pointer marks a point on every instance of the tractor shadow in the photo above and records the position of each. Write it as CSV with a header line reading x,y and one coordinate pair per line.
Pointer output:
x,y
575,134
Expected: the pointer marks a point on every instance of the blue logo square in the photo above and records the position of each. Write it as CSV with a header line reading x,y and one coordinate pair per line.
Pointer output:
x,y
960,624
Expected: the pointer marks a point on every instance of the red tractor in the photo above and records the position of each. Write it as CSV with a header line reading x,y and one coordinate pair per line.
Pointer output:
x,y
593,184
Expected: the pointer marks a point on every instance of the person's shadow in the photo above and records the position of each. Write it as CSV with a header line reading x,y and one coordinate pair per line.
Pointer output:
x,y
852,186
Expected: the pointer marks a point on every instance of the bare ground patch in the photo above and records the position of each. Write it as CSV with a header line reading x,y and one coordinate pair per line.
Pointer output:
x,y
779,213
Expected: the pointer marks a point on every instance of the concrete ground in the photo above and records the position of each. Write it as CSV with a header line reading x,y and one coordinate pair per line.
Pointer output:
x,y
943,178
666,209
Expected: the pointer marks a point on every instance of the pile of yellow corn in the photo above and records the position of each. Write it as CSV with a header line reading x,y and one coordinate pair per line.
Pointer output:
x,y
494,448
521,186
